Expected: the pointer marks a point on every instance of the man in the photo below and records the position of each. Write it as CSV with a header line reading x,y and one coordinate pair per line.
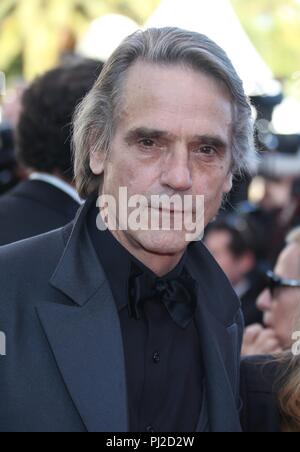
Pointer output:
x,y
48,199
8,167
275,215
232,243
280,303
133,329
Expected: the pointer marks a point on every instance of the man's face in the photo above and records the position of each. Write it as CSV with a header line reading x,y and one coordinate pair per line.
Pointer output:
x,y
282,310
173,137
218,243
278,193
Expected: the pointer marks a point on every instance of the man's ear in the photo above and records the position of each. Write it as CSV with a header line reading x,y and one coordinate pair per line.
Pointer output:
x,y
228,184
97,161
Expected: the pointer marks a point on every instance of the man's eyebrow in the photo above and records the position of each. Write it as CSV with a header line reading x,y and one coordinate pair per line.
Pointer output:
x,y
144,132
212,140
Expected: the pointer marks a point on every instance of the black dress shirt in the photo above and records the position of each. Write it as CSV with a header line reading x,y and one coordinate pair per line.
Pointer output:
x,y
163,360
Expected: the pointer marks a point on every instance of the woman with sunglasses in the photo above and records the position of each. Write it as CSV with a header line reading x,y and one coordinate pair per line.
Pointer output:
x,y
270,387
279,302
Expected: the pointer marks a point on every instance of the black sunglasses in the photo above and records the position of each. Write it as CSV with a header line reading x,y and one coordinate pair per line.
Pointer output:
x,y
274,282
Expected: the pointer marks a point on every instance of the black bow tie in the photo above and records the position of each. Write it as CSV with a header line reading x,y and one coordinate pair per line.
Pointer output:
x,y
178,295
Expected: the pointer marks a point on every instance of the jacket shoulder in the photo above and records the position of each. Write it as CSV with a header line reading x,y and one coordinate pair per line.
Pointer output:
x,y
34,246
30,259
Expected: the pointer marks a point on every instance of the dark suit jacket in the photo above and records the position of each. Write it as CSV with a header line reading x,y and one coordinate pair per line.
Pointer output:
x,y
33,208
251,313
64,369
259,378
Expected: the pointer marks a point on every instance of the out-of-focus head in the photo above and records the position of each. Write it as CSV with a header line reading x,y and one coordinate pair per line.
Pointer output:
x,y
231,242
45,125
281,306
8,167
278,193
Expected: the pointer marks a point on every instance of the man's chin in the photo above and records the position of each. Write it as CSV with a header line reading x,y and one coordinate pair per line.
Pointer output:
x,y
162,242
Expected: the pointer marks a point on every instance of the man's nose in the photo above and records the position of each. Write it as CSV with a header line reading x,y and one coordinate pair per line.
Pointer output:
x,y
176,172
264,302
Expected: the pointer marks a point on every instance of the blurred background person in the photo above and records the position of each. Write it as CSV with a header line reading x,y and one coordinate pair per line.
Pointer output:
x,y
48,199
235,246
280,304
276,213
12,103
9,171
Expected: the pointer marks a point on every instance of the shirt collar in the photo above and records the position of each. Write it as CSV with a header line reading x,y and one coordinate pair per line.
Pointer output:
x,y
117,262
58,183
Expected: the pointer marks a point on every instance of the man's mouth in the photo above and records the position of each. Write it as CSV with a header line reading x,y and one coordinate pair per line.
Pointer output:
x,y
171,211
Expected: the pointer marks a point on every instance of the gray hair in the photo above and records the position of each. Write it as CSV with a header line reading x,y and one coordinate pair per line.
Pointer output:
x,y
96,117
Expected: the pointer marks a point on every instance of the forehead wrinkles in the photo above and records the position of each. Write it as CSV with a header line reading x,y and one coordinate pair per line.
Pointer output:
x,y
154,84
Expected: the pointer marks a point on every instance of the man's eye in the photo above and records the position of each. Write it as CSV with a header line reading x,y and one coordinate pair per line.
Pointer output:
x,y
147,143
206,150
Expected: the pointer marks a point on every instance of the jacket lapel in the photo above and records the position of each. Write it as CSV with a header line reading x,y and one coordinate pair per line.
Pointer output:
x,y
84,334
221,400
215,318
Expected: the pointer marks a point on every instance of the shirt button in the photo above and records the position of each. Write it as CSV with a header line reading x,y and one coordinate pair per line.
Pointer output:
x,y
160,286
156,357
150,429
